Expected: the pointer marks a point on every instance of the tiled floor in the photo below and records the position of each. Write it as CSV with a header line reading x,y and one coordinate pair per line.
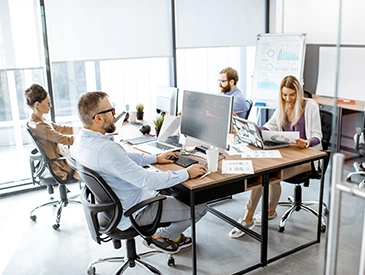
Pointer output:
x,y
29,247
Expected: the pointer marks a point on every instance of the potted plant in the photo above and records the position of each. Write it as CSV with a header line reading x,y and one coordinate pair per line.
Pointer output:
x,y
139,108
158,124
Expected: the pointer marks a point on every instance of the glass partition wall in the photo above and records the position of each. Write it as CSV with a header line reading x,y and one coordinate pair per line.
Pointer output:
x,y
87,54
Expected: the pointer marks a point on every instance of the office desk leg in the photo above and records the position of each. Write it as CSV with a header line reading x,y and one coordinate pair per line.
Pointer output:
x,y
264,218
320,206
193,233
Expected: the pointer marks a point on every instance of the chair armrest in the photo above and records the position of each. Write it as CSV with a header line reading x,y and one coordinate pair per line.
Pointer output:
x,y
146,230
144,203
92,215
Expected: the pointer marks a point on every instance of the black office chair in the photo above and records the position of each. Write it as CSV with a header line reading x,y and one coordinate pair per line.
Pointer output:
x,y
103,211
307,94
359,147
295,202
38,163
249,105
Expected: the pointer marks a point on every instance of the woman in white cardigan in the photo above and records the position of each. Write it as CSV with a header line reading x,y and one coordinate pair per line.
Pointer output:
x,y
294,113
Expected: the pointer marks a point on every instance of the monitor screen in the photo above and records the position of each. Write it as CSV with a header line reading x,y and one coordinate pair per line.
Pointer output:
x,y
207,118
166,100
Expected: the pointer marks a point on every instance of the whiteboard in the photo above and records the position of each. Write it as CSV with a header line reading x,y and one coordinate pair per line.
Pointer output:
x,y
351,73
277,55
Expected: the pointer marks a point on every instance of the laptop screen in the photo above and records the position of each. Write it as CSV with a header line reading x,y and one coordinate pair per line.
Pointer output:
x,y
247,131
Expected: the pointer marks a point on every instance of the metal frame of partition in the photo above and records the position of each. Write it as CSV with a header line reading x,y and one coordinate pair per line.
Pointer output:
x,y
338,187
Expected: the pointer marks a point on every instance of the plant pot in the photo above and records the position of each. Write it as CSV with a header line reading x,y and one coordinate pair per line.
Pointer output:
x,y
140,115
157,130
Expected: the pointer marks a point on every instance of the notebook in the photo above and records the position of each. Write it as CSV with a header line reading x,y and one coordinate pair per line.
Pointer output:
x,y
141,139
248,132
168,139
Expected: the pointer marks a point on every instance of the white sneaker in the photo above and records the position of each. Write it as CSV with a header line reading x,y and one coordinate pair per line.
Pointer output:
x,y
236,233
257,218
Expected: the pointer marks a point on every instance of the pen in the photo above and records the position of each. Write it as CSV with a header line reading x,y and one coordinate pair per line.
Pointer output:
x,y
206,174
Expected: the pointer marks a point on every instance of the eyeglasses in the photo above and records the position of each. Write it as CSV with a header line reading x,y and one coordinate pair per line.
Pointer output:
x,y
106,111
221,81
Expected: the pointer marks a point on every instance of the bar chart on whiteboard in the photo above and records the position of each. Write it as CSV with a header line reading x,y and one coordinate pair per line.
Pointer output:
x,y
277,55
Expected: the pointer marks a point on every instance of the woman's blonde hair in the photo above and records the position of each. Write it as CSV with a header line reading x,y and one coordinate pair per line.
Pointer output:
x,y
291,82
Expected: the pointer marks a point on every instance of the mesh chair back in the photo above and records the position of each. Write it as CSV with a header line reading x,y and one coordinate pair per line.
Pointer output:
x,y
326,122
307,94
249,104
47,161
103,209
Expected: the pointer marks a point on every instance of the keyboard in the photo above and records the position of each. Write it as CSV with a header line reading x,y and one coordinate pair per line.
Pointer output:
x,y
184,161
272,143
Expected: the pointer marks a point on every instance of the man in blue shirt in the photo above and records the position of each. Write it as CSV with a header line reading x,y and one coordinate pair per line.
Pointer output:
x,y
227,81
124,173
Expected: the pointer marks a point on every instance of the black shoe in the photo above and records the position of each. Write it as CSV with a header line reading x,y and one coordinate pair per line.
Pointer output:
x,y
184,242
163,244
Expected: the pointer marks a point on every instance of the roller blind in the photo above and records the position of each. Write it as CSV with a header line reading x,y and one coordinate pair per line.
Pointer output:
x,y
218,23
319,19
108,29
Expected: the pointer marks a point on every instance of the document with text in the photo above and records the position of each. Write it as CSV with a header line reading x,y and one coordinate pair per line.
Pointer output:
x,y
237,167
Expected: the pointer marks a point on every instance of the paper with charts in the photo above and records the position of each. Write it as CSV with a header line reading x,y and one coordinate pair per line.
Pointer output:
x,y
237,167
280,136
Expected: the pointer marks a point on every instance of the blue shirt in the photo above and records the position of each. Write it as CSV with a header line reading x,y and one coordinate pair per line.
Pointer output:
x,y
122,170
239,102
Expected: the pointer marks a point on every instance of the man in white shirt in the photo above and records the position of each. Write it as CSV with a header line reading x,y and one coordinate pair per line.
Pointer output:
x,y
124,173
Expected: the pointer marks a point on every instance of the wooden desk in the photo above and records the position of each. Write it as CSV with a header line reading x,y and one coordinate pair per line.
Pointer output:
x,y
218,185
343,109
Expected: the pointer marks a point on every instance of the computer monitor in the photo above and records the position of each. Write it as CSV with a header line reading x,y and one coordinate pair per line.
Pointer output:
x,y
207,118
166,100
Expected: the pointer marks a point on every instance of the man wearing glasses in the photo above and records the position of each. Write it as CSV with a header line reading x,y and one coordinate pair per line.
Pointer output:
x,y
124,173
227,81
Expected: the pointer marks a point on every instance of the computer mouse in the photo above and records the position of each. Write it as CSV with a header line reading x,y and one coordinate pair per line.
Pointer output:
x,y
145,129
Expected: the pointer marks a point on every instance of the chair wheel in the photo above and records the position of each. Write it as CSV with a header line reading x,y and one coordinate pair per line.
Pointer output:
x,y
281,229
348,179
33,217
326,212
91,271
56,226
171,261
323,228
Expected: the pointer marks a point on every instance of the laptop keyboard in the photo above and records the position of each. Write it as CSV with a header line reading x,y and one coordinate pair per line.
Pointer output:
x,y
161,146
184,161
272,143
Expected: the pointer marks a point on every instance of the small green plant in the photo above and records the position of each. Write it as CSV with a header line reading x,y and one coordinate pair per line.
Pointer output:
x,y
158,122
139,107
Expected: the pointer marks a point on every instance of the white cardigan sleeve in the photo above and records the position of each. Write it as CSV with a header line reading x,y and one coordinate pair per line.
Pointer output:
x,y
313,126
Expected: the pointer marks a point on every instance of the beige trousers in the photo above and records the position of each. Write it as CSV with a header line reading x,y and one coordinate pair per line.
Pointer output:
x,y
274,188
255,195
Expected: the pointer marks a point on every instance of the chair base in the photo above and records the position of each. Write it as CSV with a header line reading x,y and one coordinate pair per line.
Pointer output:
x,y
130,261
361,173
63,202
295,204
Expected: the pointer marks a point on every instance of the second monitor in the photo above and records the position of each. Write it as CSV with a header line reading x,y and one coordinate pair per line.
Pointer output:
x,y
207,118
166,100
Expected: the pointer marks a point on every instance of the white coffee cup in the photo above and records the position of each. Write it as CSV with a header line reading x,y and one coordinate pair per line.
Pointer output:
x,y
212,157
133,116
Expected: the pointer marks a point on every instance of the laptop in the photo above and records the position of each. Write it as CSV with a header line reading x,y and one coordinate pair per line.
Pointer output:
x,y
168,139
248,132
